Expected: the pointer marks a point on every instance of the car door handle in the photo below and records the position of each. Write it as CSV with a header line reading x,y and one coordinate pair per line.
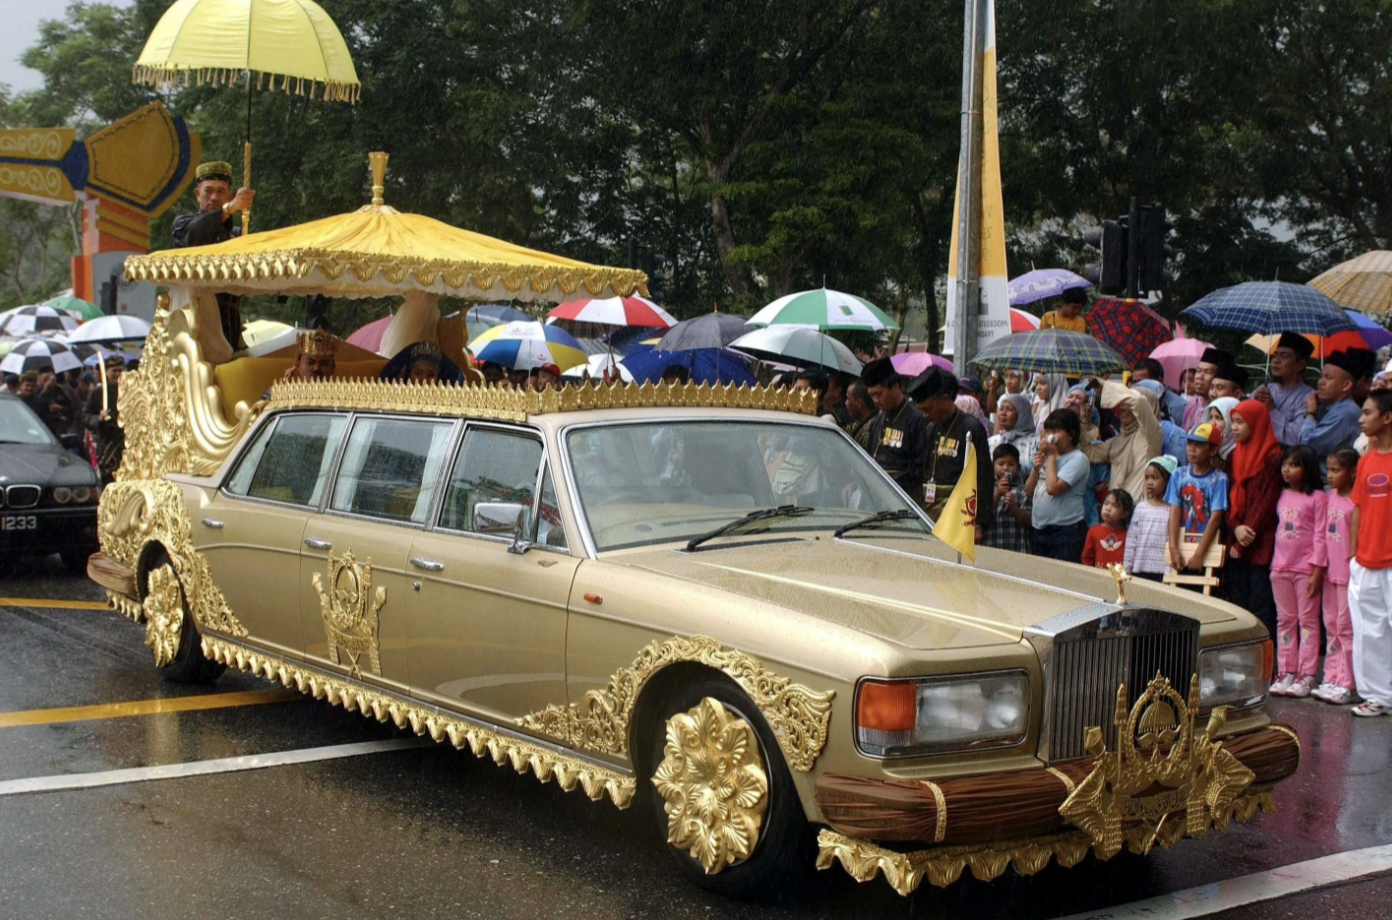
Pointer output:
x,y
430,565
215,525
316,543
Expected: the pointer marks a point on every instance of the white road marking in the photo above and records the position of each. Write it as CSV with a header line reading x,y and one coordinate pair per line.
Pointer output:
x,y
204,767
1251,889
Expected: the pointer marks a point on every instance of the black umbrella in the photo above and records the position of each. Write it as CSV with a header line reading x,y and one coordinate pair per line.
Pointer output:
x,y
714,330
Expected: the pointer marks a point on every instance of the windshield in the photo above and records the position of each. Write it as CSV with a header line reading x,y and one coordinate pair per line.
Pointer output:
x,y
19,424
654,483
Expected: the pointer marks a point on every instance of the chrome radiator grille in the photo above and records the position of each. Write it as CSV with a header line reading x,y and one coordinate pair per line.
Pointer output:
x,y
1087,654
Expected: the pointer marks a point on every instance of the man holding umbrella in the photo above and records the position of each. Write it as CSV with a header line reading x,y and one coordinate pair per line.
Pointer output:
x,y
1284,395
897,436
213,223
104,423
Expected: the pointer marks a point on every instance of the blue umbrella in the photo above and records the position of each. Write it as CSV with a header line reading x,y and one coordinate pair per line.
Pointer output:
x,y
706,365
1269,308
1372,331
1042,283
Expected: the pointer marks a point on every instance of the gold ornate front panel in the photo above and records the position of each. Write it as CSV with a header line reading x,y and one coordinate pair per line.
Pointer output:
x,y
600,721
133,514
349,607
713,784
1165,779
163,610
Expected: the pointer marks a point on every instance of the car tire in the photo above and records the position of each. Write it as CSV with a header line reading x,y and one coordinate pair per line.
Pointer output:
x,y
784,852
188,666
75,559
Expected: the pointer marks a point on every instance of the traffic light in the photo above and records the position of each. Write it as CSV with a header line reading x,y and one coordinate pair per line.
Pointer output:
x,y
1133,252
1109,274
654,266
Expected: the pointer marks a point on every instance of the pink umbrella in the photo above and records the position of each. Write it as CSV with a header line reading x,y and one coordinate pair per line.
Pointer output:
x,y
913,363
1178,356
370,336
615,311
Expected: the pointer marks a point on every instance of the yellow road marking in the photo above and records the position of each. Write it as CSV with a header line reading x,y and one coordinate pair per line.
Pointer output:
x,y
145,707
52,602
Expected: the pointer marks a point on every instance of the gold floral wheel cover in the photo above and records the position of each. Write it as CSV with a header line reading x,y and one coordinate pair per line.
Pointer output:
x,y
713,780
164,614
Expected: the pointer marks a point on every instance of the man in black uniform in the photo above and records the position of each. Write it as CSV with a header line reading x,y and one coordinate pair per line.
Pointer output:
x,y
949,430
897,436
212,189
105,424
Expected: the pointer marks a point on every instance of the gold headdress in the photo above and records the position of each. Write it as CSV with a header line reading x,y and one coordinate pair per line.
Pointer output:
x,y
315,342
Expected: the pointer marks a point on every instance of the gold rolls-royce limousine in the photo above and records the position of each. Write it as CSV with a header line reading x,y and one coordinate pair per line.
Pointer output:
x,y
702,600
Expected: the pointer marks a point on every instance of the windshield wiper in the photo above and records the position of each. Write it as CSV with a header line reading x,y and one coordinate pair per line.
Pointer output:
x,y
763,514
903,514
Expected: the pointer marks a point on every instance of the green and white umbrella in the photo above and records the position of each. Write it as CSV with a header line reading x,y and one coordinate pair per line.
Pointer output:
x,y
824,309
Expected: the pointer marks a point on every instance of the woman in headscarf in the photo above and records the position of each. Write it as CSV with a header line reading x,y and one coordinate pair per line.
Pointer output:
x,y
1048,392
1140,437
1221,407
1172,435
422,362
972,406
1254,486
1015,425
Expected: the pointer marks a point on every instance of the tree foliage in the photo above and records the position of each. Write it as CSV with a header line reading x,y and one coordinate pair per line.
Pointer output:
x,y
766,147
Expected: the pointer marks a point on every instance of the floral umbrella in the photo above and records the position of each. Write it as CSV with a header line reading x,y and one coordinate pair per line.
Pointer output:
x,y
1042,283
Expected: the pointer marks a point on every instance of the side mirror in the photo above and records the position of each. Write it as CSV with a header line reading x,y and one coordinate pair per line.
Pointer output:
x,y
71,442
505,519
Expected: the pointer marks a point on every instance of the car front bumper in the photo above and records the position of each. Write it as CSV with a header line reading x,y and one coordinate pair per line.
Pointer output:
x,y
1100,803
43,530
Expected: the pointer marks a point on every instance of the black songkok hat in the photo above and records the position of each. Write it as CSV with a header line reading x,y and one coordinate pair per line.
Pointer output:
x,y
1216,356
1346,361
933,382
1302,346
1364,360
879,373
1231,372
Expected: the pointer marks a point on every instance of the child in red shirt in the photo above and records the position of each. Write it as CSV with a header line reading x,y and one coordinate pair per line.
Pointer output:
x,y
1106,542
1370,569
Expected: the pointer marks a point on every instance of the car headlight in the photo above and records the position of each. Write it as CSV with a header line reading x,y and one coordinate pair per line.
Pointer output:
x,y
62,495
82,494
895,718
1234,675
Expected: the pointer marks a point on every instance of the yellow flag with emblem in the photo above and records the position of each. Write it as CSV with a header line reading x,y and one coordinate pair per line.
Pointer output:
x,y
957,524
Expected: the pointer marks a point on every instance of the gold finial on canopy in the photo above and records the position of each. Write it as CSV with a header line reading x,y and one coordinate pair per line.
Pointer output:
x,y
378,161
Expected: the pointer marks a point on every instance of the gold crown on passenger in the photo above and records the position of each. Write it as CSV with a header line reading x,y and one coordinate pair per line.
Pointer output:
x,y
315,342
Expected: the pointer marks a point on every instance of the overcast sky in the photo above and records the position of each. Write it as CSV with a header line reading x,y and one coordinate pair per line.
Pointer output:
x,y
21,20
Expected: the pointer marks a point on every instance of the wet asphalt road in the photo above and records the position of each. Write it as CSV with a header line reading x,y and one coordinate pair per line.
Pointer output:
x,y
434,832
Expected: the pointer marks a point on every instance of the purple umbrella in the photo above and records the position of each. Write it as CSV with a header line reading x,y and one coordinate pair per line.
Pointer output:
x,y
1041,283
1372,331
913,363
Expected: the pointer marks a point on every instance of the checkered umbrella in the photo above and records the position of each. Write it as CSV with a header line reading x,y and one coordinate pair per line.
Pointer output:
x,y
1364,283
40,318
37,354
1270,307
1129,326
1051,351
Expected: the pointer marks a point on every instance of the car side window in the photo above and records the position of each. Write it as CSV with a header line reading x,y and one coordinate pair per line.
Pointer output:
x,y
390,468
493,467
290,460
550,531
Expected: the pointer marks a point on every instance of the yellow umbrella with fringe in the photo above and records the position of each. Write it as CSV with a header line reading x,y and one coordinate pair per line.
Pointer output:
x,y
290,45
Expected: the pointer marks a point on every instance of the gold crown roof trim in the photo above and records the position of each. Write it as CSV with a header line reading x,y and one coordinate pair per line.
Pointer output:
x,y
169,266
516,405
165,77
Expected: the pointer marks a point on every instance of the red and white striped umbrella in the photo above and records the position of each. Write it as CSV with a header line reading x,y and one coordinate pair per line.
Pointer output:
x,y
615,311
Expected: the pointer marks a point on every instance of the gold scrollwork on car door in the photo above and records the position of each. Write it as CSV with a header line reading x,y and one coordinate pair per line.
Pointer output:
x,y
349,607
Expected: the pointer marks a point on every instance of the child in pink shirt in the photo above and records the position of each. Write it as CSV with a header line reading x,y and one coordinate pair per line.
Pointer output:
x,y
1332,551
1295,580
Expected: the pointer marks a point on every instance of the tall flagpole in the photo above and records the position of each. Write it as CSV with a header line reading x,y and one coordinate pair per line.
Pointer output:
x,y
967,306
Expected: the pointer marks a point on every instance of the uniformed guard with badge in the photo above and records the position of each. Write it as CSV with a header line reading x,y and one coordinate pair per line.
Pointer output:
x,y
212,189
934,393
897,435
